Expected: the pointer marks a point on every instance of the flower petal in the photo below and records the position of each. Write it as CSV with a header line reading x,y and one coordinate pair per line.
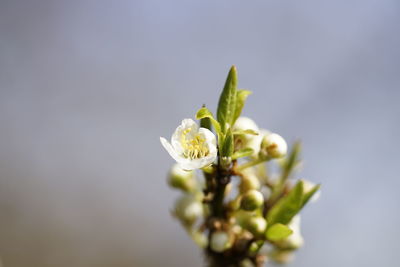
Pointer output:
x,y
169,149
176,137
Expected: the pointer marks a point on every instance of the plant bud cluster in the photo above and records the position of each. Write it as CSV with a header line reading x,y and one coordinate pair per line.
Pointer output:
x,y
232,205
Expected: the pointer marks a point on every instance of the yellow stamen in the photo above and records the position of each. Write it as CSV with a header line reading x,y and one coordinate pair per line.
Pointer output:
x,y
193,148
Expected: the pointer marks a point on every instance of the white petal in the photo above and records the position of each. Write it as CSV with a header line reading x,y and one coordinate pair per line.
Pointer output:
x,y
210,139
176,137
169,149
189,123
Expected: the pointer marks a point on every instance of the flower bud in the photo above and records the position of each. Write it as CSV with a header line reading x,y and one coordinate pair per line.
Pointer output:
x,y
246,140
256,225
181,179
282,256
251,200
273,145
249,181
246,263
220,241
188,209
200,239
295,240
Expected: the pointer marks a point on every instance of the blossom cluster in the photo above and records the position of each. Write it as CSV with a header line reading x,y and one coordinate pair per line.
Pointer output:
x,y
232,206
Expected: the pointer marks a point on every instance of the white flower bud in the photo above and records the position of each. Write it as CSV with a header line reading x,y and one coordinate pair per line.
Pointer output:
x,y
308,186
188,209
249,181
252,200
181,179
282,256
220,241
295,240
274,146
247,140
246,263
256,225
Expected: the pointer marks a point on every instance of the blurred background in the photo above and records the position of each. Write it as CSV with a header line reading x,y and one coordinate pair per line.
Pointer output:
x,y
87,88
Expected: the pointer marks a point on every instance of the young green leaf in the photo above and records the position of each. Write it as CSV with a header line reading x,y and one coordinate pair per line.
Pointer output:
x,y
278,232
227,147
245,152
307,196
227,101
291,162
288,206
240,101
205,113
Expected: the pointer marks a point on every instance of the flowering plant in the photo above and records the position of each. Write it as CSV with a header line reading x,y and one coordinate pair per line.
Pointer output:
x,y
241,214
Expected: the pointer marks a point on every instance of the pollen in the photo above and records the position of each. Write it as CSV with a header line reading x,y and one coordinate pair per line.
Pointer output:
x,y
194,147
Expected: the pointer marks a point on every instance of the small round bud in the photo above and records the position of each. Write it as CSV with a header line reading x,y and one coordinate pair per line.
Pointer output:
x,y
247,140
282,256
252,200
188,209
200,239
256,225
220,241
181,179
246,263
295,240
273,145
249,181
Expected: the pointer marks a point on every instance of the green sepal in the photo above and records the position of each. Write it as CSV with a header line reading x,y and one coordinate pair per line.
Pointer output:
x,y
245,152
241,96
227,101
288,206
278,232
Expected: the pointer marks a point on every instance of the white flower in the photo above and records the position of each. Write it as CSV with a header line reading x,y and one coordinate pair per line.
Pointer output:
x,y
191,146
247,140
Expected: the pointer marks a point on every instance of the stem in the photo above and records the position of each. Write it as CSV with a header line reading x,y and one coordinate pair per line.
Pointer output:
x,y
222,180
251,163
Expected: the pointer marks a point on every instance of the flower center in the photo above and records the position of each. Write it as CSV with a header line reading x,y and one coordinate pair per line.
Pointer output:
x,y
194,147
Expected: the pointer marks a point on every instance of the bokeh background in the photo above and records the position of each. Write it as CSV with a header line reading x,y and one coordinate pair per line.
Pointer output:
x,y
87,88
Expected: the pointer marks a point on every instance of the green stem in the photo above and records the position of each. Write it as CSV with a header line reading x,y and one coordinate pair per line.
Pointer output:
x,y
222,180
251,163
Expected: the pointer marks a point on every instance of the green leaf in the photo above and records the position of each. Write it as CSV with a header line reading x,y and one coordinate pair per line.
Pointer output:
x,y
288,206
240,100
245,152
248,131
307,196
278,232
227,101
205,113
291,162
227,147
